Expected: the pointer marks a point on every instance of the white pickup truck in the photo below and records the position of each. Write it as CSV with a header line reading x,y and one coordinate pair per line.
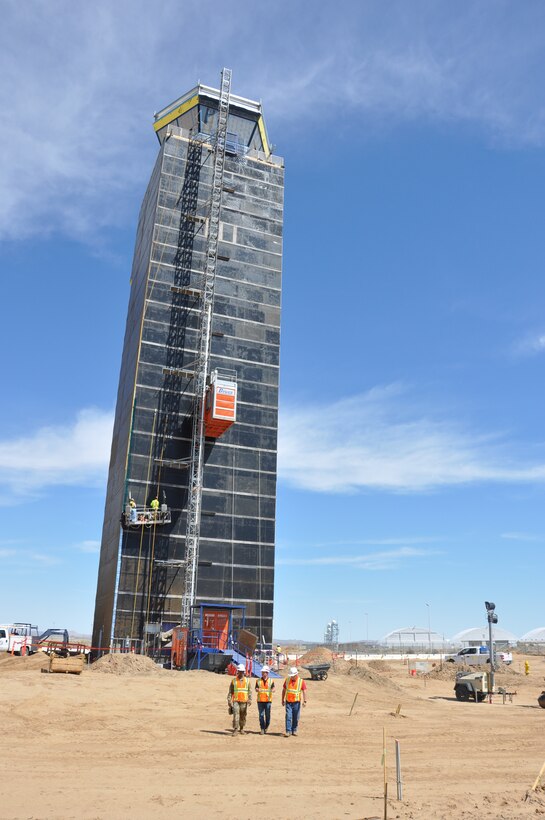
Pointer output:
x,y
477,655
4,636
18,638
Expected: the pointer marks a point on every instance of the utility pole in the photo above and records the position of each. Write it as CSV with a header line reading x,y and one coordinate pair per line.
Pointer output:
x,y
429,626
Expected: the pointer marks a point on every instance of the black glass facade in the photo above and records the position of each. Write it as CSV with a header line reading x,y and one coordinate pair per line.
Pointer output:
x,y
139,581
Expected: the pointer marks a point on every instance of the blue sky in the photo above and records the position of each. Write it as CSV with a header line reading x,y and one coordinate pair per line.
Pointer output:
x,y
412,449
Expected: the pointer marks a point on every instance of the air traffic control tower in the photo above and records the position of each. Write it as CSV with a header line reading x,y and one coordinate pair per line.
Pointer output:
x,y
190,505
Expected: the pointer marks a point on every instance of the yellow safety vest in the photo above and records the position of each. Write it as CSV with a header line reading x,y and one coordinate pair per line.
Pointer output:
x,y
241,690
264,690
293,690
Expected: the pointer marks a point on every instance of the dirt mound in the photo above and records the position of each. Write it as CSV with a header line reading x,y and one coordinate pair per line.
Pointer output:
x,y
372,677
129,664
447,671
379,666
320,654
16,663
342,667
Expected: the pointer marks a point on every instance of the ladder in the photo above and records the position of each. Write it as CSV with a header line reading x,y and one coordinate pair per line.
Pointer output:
x,y
196,468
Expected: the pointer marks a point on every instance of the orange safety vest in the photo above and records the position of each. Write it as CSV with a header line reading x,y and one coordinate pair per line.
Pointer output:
x,y
264,690
293,690
241,690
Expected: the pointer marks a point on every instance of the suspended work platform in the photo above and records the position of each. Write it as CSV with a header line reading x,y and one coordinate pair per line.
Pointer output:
x,y
134,517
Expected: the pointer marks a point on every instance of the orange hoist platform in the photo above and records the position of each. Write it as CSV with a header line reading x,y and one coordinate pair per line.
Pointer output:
x,y
221,404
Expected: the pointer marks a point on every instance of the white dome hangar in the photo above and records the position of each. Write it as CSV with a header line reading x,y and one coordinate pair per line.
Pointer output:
x,y
477,635
408,636
534,635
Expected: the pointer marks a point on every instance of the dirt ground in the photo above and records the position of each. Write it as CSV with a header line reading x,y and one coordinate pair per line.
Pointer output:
x,y
157,745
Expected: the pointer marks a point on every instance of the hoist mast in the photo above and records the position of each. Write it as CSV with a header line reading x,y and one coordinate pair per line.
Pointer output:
x,y
196,467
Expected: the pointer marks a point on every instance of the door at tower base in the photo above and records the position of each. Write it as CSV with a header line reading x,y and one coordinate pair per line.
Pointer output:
x,y
221,406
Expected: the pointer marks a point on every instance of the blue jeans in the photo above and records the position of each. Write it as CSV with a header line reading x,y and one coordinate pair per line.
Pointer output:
x,y
292,716
264,714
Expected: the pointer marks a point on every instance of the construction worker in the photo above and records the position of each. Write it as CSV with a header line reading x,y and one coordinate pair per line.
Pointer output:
x,y
264,688
293,691
154,507
239,698
132,509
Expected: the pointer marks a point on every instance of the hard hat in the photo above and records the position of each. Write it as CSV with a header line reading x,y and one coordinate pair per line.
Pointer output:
x,y
241,667
265,669
293,671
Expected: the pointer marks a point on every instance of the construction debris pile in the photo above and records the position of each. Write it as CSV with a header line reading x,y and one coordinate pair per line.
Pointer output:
x,y
130,664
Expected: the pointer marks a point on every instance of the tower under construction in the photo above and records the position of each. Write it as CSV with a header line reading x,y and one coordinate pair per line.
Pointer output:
x,y
190,505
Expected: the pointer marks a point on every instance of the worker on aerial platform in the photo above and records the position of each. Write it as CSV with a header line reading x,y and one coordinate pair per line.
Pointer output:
x,y
154,507
132,511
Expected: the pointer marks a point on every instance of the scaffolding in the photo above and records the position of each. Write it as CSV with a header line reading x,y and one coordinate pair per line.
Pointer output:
x,y
202,365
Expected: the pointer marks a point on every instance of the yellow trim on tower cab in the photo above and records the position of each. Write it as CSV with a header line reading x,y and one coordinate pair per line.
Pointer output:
x,y
177,112
264,140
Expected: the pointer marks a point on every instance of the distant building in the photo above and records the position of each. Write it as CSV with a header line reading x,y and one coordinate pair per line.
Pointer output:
x,y
478,635
534,635
413,636
331,634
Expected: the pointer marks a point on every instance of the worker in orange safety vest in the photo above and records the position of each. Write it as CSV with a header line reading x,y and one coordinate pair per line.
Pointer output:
x,y
293,692
239,698
264,688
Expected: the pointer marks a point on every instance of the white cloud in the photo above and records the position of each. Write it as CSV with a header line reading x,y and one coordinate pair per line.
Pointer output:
x,y
73,454
45,559
283,546
377,441
386,542
522,536
530,345
88,546
386,560
81,81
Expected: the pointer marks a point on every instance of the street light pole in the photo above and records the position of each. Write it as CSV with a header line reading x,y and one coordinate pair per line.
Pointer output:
x,y
492,619
429,626
367,627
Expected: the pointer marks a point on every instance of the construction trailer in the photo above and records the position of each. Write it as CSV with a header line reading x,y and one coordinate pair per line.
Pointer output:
x,y
193,465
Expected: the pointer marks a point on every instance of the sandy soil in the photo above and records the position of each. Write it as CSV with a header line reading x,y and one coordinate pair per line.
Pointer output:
x,y
156,745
